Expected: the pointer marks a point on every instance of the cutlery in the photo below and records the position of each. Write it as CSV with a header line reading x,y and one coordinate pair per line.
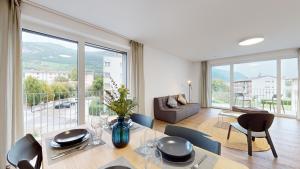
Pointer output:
x,y
197,165
78,148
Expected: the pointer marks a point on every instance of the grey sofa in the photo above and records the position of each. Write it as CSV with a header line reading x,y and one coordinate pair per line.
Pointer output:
x,y
173,115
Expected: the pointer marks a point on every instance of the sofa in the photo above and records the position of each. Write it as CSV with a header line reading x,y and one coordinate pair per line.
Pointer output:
x,y
173,115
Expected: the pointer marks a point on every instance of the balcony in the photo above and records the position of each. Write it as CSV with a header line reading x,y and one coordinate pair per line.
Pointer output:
x,y
42,116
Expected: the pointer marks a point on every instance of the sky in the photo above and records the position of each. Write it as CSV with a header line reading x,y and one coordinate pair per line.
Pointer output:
x,y
289,68
32,37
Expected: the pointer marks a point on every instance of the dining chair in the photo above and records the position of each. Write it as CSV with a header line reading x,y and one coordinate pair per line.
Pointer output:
x,y
24,164
197,138
254,125
24,150
142,120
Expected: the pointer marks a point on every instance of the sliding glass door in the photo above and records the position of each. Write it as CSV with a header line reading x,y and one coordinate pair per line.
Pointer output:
x,y
271,85
220,86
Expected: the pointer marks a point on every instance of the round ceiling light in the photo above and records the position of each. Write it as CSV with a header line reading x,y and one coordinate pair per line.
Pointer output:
x,y
251,41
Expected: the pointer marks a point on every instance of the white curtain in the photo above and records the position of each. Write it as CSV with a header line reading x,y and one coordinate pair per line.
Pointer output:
x,y
298,110
137,75
11,118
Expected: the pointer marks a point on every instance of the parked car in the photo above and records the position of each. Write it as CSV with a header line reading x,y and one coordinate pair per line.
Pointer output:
x,y
63,105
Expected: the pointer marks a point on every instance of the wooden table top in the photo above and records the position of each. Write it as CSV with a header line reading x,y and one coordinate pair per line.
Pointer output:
x,y
98,156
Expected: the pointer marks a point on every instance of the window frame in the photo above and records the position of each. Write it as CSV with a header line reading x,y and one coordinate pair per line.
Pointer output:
x,y
81,42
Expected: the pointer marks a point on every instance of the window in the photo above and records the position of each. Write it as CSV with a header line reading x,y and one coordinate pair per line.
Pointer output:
x,y
220,86
107,64
289,86
254,84
50,82
101,64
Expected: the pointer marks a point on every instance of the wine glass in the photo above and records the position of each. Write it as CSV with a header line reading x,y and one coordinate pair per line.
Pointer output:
x,y
97,127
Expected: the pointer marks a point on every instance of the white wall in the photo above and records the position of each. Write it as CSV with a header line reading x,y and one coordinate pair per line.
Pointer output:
x,y
166,74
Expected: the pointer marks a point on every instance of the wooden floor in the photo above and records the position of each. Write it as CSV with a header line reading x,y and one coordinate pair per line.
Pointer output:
x,y
285,134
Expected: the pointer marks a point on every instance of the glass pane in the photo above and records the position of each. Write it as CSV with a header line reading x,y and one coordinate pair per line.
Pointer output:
x,y
289,86
254,85
49,83
101,66
220,87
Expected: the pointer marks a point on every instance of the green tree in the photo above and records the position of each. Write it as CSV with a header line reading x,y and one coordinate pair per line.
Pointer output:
x,y
73,74
97,85
33,89
48,92
60,90
219,86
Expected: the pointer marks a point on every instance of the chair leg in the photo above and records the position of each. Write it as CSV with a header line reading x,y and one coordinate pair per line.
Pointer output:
x,y
229,130
268,137
249,143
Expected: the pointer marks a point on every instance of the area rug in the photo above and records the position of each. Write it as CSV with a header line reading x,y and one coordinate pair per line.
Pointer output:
x,y
218,130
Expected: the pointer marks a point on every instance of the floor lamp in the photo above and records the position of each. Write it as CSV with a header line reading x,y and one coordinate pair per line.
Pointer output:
x,y
190,88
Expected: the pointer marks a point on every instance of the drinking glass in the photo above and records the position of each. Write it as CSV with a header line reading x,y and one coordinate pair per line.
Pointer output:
x,y
148,141
97,127
153,159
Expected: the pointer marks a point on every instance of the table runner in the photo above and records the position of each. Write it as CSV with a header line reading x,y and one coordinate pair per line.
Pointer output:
x,y
51,151
208,163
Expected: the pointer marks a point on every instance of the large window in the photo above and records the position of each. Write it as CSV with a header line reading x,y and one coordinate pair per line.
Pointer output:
x,y
270,84
220,86
49,82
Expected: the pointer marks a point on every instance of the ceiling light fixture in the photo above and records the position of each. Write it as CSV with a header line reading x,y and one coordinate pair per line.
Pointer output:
x,y
251,41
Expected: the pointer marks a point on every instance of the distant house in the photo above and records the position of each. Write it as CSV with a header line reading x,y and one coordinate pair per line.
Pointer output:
x,y
48,76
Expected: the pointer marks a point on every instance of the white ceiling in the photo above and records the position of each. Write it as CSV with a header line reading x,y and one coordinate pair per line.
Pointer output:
x,y
194,29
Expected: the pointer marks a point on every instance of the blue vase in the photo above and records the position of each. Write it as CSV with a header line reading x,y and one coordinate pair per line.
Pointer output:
x,y
120,133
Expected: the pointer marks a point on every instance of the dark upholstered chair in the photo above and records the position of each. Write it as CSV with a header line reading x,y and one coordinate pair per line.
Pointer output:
x,y
25,150
254,125
24,164
197,138
142,120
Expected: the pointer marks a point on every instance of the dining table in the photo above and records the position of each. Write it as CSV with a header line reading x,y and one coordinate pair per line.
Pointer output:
x,y
99,156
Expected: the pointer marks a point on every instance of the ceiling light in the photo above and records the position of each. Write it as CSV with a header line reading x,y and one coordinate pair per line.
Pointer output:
x,y
251,41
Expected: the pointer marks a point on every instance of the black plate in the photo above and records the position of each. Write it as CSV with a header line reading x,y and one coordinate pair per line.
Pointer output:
x,y
175,147
70,137
117,167
55,145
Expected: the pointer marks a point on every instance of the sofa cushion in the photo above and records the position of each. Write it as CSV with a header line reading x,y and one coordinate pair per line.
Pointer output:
x,y
181,99
172,102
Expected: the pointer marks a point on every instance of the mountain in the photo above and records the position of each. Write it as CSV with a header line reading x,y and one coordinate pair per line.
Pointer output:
x,y
225,75
45,56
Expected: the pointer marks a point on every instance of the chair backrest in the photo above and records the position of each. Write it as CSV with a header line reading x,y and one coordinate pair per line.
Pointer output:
x,y
197,138
256,122
142,120
24,164
26,148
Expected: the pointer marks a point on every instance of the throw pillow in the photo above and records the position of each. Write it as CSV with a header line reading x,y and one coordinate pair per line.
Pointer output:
x,y
181,99
172,102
